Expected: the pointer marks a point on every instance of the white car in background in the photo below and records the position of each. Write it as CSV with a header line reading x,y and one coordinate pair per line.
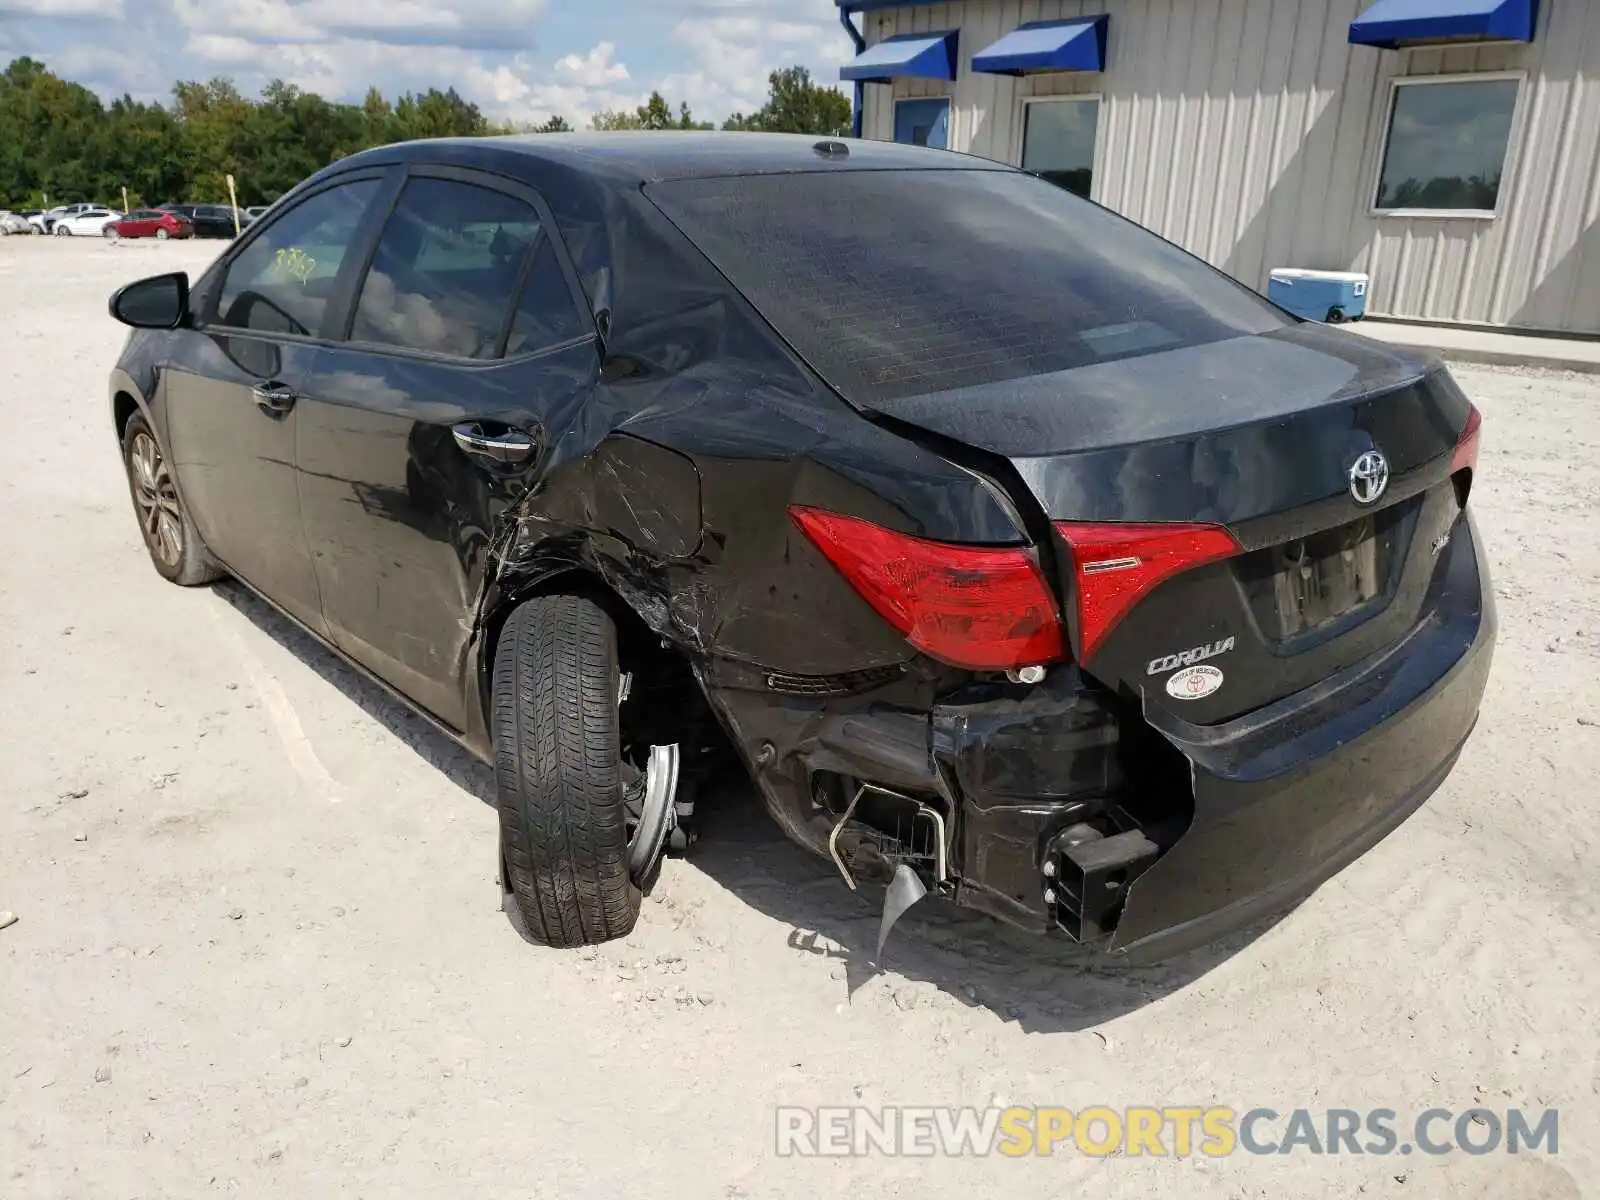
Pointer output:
x,y
11,222
49,217
91,222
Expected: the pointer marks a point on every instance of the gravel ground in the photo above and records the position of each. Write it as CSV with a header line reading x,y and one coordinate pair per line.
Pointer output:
x,y
259,949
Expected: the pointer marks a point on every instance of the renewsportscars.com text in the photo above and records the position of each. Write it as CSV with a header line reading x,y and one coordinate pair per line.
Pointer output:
x,y
1172,1131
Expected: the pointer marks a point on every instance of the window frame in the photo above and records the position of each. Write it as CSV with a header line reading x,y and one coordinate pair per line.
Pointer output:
x,y
548,233
1021,141
1508,163
338,299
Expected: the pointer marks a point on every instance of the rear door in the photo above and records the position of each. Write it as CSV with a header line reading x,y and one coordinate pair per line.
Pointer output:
x,y
465,335
233,385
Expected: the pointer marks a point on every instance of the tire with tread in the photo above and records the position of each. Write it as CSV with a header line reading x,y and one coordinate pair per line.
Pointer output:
x,y
196,566
558,770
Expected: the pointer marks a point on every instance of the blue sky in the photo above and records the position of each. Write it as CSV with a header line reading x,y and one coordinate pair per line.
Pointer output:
x,y
518,59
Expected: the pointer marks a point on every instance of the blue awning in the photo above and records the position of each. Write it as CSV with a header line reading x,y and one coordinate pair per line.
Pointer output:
x,y
923,55
1393,23
1075,45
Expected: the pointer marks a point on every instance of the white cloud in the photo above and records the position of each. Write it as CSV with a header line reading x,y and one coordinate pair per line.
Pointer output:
x,y
62,8
394,21
519,60
594,69
736,44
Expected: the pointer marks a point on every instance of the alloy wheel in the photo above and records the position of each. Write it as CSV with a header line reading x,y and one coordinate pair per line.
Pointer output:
x,y
160,518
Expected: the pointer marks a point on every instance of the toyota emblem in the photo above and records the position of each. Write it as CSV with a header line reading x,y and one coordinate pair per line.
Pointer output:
x,y
1369,477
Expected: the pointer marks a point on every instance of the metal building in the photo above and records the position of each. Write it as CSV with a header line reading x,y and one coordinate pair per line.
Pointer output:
x,y
1450,148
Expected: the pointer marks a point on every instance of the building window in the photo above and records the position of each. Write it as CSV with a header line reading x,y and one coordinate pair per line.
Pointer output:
x,y
922,123
1446,149
1058,140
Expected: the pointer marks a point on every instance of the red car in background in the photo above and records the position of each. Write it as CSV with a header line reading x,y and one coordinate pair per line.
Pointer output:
x,y
148,222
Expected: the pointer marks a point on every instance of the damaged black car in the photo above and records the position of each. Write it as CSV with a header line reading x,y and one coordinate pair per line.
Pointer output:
x,y
1023,558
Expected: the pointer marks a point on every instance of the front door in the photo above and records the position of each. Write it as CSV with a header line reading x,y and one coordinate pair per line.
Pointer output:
x,y
232,387
421,429
922,123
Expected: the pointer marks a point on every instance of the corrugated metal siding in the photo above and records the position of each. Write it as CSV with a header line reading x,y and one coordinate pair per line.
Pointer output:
x,y
1250,132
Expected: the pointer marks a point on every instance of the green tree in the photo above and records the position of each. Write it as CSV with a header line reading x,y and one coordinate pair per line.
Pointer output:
x,y
48,128
376,113
654,113
57,138
435,114
220,136
139,147
795,104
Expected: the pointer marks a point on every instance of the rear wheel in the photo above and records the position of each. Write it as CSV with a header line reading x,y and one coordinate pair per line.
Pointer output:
x,y
564,840
110,231
161,235
63,231
174,544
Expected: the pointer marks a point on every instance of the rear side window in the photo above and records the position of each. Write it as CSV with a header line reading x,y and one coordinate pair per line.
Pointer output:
x,y
546,314
446,269
899,283
281,281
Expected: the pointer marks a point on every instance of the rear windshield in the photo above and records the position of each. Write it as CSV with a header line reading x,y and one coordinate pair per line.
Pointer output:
x,y
898,283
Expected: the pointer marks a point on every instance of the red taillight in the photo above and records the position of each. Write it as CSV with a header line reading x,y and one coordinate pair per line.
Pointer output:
x,y
980,607
1115,566
1466,452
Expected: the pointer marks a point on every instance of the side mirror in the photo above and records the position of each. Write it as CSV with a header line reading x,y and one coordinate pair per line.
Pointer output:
x,y
160,302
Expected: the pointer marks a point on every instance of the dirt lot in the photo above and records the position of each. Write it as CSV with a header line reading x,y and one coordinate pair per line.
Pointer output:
x,y
260,950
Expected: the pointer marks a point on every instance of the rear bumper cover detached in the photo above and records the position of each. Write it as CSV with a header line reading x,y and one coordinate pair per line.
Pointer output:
x,y
1283,797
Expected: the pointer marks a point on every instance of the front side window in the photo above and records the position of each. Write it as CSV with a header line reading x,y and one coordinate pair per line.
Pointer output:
x,y
282,280
1447,144
1058,142
446,269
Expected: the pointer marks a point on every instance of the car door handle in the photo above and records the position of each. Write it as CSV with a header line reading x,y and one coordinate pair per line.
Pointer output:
x,y
274,399
511,447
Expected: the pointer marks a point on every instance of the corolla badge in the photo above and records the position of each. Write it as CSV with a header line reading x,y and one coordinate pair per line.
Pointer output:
x,y
1369,477
1187,658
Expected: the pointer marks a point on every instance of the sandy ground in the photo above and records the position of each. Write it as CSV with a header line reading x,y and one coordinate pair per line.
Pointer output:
x,y
260,950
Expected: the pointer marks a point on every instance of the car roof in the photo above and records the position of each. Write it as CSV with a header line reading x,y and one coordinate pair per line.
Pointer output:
x,y
655,157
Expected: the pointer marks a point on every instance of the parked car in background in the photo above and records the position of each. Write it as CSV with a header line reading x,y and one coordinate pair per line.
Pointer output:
x,y
209,220
34,217
51,216
11,222
152,222
91,222
255,211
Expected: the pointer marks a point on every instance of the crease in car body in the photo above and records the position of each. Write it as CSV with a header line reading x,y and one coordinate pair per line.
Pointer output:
x,y
715,414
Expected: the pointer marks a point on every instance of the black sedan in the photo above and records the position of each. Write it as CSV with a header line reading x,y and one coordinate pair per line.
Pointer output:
x,y
1022,557
209,220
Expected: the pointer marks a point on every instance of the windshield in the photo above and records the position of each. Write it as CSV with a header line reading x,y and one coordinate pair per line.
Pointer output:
x,y
900,283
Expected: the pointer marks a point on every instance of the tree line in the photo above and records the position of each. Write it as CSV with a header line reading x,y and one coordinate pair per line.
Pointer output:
x,y
60,142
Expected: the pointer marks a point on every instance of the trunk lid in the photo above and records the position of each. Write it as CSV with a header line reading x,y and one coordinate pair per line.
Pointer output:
x,y
1258,435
